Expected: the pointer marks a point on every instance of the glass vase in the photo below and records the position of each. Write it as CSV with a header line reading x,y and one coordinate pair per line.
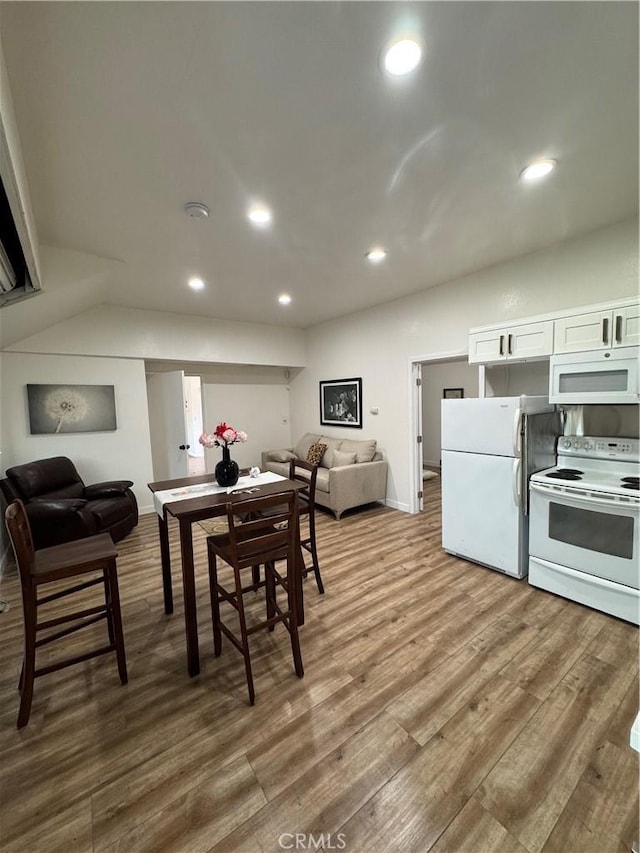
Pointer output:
x,y
227,470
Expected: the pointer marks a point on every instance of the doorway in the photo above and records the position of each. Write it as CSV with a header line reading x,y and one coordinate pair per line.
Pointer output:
x,y
430,376
193,423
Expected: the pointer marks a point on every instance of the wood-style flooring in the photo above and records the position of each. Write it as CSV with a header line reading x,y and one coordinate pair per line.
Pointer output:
x,y
444,708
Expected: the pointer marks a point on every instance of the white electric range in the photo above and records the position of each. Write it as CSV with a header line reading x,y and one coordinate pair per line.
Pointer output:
x,y
584,529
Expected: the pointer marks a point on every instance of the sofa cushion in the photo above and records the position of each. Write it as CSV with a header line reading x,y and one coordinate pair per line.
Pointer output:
x,y
302,447
316,452
341,457
364,450
333,444
281,455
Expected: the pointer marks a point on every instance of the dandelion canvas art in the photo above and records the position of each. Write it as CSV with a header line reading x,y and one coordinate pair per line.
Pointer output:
x,y
71,408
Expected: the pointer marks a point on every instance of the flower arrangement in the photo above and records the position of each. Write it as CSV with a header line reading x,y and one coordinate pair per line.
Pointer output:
x,y
223,436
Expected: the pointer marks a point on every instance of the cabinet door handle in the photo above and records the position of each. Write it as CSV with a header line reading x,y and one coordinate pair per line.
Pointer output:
x,y
501,344
605,330
619,328
509,344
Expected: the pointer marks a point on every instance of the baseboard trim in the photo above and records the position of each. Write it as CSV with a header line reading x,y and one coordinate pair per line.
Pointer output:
x,y
403,507
146,510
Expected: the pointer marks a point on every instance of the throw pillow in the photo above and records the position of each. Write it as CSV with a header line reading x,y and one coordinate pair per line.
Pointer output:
x,y
332,444
365,450
302,447
315,453
341,457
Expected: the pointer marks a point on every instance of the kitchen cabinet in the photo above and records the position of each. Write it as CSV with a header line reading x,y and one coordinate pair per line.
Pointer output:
x,y
592,327
519,342
598,330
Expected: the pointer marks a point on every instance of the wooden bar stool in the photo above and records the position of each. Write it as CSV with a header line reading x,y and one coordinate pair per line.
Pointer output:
x,y
259,540
60,562
307,473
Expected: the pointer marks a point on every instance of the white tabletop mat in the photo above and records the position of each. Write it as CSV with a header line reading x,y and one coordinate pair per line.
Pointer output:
x,y
185,492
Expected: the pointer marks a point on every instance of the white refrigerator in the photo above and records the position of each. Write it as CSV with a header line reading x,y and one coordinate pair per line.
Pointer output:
x,y
490,448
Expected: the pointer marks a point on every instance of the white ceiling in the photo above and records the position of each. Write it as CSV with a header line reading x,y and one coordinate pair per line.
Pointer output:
x,y
129,110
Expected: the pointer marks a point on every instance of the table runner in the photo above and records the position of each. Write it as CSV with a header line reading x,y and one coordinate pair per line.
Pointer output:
x,y
184,492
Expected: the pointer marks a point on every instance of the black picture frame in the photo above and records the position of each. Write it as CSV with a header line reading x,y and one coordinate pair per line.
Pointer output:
x,y
341,403
452,393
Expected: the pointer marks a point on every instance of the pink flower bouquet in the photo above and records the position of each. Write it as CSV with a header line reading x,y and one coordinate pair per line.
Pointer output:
x,y
223,436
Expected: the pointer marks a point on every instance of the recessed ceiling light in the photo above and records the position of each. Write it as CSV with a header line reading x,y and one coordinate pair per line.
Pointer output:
x,y
538,169
284,299
196,284
259,214
402,57
376,255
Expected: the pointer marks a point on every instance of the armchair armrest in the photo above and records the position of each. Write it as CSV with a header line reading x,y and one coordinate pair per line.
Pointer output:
x,y
357,484
280,455
107,490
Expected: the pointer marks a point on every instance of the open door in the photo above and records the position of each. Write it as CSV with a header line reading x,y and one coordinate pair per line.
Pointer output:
x,y
167,419
416,381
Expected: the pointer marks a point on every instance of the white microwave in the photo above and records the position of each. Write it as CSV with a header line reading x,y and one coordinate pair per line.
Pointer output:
x,y
596,376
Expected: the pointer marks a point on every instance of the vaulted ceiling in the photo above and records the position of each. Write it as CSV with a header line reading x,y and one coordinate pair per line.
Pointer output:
x,y
127,111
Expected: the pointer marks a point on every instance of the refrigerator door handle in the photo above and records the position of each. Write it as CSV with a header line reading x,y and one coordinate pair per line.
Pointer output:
x,y
516,482
516,439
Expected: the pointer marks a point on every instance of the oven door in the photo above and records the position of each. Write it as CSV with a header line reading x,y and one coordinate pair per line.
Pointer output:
x,y
585,531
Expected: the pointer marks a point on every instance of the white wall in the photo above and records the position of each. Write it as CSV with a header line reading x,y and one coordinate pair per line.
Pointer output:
x,y
111,330
122,454
262,411
435,378
377,344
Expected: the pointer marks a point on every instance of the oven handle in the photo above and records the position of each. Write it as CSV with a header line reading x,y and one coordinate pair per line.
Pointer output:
x,y
549,491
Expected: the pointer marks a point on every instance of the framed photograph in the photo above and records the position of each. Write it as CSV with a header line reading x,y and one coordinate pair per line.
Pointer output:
x,y
71,408
341,403
453,393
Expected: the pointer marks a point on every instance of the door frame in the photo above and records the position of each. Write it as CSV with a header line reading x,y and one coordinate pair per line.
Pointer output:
x,y
416,362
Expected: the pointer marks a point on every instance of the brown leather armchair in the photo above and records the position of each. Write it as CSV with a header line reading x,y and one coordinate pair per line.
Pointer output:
x,y
61,508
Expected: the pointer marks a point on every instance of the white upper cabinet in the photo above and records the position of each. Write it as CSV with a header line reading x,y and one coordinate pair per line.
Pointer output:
x,y
598,330
613,324
512,343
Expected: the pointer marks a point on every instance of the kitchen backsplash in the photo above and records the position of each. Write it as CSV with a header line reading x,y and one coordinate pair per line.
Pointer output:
x,y
619,421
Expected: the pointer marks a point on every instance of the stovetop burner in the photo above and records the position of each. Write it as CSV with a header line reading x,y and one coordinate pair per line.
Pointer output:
x,y
566,474
599,465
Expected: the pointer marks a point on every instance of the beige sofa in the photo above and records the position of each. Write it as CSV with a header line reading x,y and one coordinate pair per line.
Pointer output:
x,y
351,473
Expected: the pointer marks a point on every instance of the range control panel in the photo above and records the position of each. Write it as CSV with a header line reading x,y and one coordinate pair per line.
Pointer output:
x,y
598,447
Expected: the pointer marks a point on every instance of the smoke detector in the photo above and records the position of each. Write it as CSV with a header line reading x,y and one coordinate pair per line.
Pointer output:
x,y
197,210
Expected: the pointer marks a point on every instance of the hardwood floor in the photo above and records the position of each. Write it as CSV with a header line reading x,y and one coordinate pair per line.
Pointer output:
x,y
444,708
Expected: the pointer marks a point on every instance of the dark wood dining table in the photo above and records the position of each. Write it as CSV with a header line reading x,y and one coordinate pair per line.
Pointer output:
x,y
188,511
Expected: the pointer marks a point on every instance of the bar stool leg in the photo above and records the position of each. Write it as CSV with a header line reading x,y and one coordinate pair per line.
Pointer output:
x,y
115,623
27,676
244,636
215,604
